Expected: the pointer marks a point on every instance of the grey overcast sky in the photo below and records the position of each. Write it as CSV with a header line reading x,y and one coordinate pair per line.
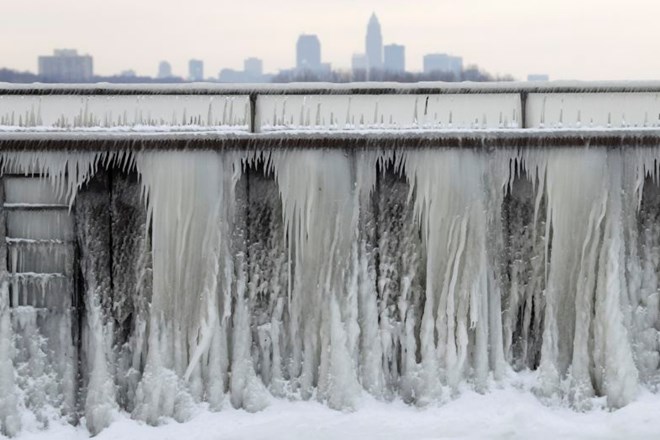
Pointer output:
x,y
568,39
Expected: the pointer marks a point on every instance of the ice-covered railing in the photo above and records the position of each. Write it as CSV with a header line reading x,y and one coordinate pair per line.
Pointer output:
x,y
330,108
388,112
122,112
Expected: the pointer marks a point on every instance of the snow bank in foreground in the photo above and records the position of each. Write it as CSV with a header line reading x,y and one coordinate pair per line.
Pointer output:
x,y
507,412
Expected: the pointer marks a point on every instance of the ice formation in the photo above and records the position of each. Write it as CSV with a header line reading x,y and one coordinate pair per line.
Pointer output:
x,y
151,282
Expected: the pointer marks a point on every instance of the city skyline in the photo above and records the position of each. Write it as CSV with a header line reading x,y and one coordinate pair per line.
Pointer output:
x,y
377,59
523,37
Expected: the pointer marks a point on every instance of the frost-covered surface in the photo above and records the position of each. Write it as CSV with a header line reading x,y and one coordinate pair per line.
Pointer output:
x,y
256,280
591,110
321,87
138,128
75,111
376,137
508,411
360,106
388,112
475,111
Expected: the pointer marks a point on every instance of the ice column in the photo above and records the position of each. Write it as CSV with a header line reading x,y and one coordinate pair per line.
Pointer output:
x,y
198,302
319,202
451,205
585,339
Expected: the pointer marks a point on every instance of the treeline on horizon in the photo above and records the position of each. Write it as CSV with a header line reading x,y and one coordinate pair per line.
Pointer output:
x,y
471,73
14,76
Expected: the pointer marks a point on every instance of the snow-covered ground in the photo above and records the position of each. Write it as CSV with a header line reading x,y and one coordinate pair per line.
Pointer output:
x,y
508,411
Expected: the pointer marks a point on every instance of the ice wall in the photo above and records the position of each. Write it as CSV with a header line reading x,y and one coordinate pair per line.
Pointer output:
x,y
125,112
388,112
335,108
232,278
593,110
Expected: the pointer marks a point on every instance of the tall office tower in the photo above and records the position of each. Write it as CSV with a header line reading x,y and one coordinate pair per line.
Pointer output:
x,y
308,53
394,58
195,70
65,65
374,44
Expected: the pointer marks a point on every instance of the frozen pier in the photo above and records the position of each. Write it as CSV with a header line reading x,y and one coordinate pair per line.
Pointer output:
x,y
167,248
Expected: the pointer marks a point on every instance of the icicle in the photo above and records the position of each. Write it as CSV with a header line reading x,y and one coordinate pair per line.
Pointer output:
x,y
454,231
318,200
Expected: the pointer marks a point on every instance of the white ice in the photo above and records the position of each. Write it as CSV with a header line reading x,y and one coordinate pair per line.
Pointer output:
x,y
447,319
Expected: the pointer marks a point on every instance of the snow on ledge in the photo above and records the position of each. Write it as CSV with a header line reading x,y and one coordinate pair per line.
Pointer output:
x,y
332,88
348,139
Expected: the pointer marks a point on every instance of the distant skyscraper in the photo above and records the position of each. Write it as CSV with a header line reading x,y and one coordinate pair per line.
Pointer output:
x,y
65,65
164,70
308,53
253,67
374,44
441,62
395,58
195,70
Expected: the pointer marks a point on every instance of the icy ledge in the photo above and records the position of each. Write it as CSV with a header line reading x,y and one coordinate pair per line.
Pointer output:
x,y
302,134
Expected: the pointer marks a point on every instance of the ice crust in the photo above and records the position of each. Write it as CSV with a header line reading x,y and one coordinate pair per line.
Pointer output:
x,y
241,278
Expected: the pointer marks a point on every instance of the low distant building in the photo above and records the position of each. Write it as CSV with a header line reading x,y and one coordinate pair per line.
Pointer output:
x,y
164,70
441,62
253,72
394,58
538,77
195,70
65,65
231,76
130,73
359,63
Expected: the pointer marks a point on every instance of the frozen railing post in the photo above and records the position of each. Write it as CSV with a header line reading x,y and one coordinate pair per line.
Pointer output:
x,y
523,109
253,112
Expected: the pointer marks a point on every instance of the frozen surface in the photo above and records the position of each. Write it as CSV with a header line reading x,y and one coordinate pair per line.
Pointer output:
x,y
259,280
319,106
509,411
388,112
77,111
593,110
330,88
